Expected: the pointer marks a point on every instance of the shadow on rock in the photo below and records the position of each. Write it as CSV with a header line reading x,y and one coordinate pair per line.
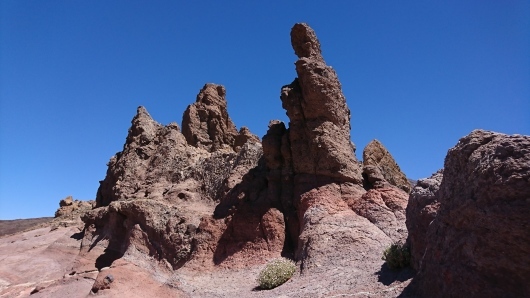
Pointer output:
x,y
387,276
253,228
79,235
107,258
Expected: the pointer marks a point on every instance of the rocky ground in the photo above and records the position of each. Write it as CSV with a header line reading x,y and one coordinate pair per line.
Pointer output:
x,y
46,261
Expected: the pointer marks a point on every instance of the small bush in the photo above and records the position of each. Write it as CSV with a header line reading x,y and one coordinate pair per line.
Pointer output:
x,y
276,273
397,256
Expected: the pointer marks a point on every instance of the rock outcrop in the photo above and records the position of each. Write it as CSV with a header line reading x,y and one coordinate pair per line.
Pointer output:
x,y
165,183
210,195
478,244
206,123
380,168
319,119
314,176
421,210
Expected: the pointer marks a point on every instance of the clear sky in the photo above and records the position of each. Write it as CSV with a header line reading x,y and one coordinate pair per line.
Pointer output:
x,y
417,75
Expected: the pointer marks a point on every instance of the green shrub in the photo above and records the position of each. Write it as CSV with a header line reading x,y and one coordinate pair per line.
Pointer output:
x,y
276,273
397,256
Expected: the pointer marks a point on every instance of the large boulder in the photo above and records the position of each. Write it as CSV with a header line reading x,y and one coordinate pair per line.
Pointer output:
x,y
478,245
421,210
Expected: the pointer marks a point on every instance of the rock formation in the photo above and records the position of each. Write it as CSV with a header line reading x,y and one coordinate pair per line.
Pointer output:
x,y
313,175
380,168
159,188
421,210
68,206
206,123
210,195
478,244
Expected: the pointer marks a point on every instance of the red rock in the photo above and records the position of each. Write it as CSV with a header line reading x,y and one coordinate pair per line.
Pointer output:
x,y
478,245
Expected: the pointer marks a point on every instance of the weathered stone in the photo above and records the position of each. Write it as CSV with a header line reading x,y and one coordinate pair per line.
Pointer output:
x,y
66,201
385,208
421,210
206,123
153,227
380,168
478,244
243,137
319,127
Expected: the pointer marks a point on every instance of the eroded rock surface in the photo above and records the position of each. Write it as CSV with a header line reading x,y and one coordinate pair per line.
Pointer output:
x,y
421,210
163,185
212,197
315,176
206,123
478,245
380,168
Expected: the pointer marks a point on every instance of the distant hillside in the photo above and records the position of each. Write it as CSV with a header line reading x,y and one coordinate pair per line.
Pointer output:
x,y
8,227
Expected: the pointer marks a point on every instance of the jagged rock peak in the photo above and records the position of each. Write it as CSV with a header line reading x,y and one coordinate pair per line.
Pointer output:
x,y
304,41
380,168
206,123
319,126
212,94
143,128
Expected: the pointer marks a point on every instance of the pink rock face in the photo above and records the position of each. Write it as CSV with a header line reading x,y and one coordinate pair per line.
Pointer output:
x,y
385,208
478,245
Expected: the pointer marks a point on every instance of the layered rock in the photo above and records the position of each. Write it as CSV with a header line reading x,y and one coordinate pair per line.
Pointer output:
x,y
380,168
478,244
421,210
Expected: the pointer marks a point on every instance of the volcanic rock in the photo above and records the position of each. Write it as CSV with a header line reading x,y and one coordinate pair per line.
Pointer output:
x,y
158,163
160,188
66,201
102,282
421,210
319,126
385,208
380,168
206,123
478,245
70,211
244,136
313,172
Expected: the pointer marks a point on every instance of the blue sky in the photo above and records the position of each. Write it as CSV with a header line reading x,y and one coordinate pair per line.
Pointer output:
x,y
417,75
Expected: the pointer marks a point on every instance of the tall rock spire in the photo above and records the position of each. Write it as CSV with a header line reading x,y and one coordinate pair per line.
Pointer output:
x,y
319,124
